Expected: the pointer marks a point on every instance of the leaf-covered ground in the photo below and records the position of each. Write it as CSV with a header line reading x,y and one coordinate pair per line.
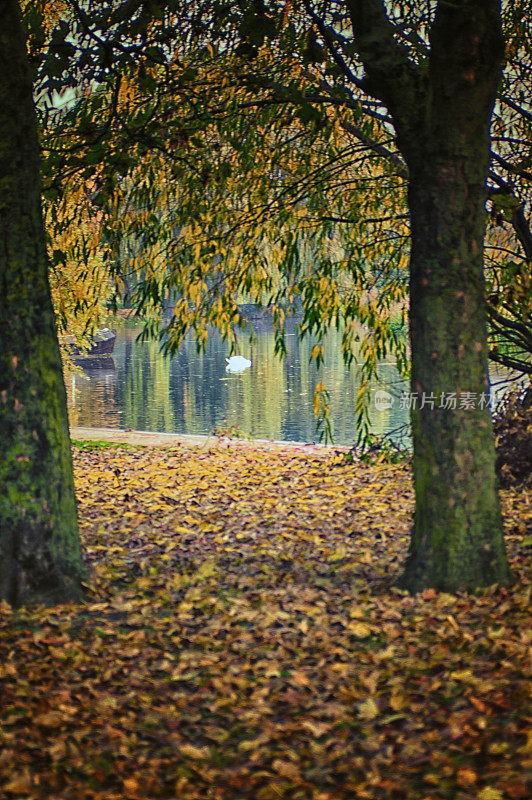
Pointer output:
x,y
242,638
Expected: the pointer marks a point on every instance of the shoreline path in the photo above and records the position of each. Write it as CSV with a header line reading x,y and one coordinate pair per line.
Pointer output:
x,y
156,439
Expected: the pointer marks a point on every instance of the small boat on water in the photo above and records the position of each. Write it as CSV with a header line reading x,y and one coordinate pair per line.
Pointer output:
x,y
103,343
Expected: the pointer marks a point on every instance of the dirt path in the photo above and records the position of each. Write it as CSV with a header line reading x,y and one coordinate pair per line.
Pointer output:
x,y
155,439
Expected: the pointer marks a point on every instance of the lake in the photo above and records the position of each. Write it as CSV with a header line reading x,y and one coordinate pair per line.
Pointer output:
x,y
190,393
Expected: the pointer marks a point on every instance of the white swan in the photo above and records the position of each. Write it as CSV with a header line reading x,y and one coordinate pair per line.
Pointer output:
x,y
237,364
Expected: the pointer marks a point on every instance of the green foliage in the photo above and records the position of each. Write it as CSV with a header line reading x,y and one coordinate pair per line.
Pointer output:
x,y
243,162
92,444
235,201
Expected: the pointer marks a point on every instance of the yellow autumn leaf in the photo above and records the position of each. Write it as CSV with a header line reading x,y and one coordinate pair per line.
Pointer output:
x,y
360,629
194,752
50,719
206,570
368,709
253,744
19,783
397,702
462,675
339,553
489,793
287,769
317,729
526,749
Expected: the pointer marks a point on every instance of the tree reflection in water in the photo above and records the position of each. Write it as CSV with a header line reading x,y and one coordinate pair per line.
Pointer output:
x,y
191,393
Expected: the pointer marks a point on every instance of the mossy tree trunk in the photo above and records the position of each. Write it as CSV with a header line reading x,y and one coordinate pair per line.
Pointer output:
x,y
40,554
457,539
441,113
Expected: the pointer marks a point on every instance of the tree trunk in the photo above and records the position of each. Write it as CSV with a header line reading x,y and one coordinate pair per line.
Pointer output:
x,y
457,540
441,107
40,553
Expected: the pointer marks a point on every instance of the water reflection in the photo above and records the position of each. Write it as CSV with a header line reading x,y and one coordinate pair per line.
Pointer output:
x,y
193,393
93,393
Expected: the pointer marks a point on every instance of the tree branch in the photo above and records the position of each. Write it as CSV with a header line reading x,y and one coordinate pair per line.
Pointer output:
x,y
522,228
378,148
331,47
509,167
516,107
521,329
524,367
390,75
467,52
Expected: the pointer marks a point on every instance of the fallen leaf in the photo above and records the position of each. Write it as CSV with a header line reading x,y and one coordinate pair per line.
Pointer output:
x,y
466,777
287,769
19,783
194,752
489,793
368,709
360,629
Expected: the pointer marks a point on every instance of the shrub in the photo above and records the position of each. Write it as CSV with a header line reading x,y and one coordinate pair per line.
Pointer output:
x,y
512,424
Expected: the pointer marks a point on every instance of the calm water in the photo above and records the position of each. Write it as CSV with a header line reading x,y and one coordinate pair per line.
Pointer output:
x,y
192,393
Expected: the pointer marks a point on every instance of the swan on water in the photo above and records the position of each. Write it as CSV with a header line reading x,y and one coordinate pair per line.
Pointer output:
x,y
237,364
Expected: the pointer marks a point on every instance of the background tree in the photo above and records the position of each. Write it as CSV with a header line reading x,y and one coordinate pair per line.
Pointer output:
x,y
39,544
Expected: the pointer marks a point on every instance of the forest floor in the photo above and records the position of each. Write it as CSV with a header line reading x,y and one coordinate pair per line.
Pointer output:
x,y
242,639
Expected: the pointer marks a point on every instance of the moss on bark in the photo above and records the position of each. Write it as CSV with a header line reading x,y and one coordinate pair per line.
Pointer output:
x,y
457,540
40,551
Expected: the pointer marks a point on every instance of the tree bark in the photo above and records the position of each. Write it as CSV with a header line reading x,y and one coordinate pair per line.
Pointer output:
x,y
40,553
457,540
441,113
